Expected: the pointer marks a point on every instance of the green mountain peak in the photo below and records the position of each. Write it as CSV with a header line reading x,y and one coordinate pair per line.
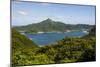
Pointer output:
x,y
49,25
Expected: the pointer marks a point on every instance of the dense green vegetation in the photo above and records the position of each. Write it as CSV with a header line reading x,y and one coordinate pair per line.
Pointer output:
x,y
49,25
69,49
22,47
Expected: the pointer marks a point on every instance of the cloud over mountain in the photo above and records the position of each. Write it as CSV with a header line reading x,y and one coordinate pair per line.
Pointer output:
x,y
22,13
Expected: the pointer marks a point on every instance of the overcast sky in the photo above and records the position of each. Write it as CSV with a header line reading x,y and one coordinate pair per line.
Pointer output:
x,y
24,13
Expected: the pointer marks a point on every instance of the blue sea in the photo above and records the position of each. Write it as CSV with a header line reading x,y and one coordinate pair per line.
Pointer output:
x,y
49,38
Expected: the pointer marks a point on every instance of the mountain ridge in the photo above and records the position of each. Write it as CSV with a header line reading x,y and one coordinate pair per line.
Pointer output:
x,y
49,25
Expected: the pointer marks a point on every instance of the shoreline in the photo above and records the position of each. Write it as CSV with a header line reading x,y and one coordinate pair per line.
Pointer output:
x,y
52,32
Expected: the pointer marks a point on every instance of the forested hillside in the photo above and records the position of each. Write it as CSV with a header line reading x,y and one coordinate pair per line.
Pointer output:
x,y
22,48
69,49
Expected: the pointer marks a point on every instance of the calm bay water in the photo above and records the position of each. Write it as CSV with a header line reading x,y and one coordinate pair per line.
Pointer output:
x,y
48,38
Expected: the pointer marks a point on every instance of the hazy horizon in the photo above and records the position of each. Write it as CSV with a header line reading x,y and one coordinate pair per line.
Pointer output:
x,y
24,13
45,19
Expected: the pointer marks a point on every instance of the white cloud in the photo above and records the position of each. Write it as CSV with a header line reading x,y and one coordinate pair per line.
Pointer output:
x,y
22,12
45,4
